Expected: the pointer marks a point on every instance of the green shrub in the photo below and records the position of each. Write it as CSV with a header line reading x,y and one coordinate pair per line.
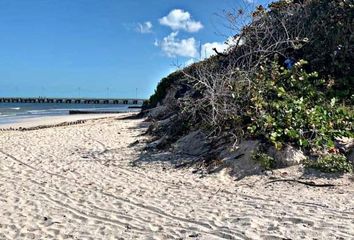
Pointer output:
x,y
163,87
266,161
329,27
292,106
331,163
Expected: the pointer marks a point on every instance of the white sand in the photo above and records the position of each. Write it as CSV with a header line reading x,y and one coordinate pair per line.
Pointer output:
x,y
77,182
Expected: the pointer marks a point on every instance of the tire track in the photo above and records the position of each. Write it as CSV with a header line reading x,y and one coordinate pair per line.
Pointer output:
x,y
150,209
75,211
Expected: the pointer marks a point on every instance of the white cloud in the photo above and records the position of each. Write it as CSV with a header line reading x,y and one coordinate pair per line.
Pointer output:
x,y
179,19
145,27
172,46
207,48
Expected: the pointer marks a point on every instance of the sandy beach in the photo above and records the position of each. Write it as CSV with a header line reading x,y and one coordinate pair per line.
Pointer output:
x,y
79,182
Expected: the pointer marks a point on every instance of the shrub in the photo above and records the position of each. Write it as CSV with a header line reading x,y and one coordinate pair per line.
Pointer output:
x,y
266,161
291,106
163,87
331,163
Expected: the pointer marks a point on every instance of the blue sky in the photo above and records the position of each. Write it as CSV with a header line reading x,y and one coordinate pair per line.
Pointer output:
x,y
103,48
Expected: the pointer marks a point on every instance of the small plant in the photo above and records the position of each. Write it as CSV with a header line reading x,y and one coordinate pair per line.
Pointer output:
x,y
331,163
266,161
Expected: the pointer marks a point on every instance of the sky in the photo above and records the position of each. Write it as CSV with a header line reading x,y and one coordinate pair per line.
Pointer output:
x,y
104,48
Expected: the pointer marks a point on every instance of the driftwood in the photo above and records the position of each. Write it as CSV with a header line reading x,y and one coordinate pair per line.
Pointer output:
x,y
23,129
310,183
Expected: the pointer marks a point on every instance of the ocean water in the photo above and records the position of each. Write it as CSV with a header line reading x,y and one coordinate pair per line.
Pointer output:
x,y
15,112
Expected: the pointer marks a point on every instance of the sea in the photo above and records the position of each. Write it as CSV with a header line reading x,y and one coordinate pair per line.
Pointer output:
x,y
18,112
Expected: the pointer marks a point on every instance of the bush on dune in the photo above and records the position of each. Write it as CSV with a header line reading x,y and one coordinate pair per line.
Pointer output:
x,y
287,81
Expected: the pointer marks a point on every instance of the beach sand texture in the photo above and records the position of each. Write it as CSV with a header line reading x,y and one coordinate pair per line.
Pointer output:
x,y
78,182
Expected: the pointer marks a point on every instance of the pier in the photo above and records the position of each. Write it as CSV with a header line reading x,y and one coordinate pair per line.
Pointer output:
x,y
126,101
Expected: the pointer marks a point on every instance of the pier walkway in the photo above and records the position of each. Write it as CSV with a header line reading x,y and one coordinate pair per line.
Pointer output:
x,y
127,101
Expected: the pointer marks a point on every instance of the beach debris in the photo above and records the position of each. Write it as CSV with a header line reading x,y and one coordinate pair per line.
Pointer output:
x,y
22,129
48,221
134,143
307,183
193,235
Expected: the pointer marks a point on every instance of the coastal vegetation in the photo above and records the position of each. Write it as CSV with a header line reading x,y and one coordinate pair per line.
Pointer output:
x,y
287,80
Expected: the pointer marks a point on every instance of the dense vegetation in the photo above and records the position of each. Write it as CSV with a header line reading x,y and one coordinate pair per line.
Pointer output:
x,y
288,81
162,88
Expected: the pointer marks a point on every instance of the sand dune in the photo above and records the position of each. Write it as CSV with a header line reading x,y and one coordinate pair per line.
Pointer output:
x,y
78,182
